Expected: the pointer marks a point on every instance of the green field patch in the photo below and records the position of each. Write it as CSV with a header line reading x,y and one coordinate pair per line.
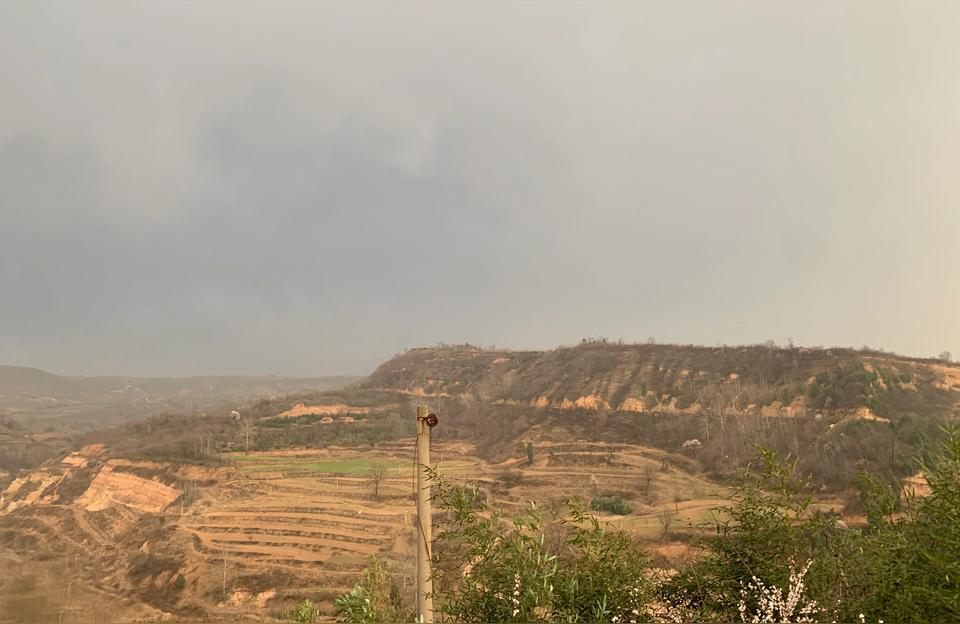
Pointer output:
x,y
264,458
332,466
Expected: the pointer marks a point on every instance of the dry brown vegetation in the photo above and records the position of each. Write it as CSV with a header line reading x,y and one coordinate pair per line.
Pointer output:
x,y
242,516
277,527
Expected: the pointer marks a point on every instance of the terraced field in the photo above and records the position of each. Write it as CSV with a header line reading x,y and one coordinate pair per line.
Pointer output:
x,y
251,538
584,469
305,524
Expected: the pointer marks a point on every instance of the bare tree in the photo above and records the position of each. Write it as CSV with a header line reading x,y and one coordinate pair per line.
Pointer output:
x,y
375,476
207,446
492,386
648,472
247,430
666,518
720,399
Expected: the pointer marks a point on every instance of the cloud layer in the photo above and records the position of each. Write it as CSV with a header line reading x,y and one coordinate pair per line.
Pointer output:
x,y
307,188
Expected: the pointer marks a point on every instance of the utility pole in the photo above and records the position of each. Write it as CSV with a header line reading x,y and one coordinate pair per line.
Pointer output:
x,y
424,530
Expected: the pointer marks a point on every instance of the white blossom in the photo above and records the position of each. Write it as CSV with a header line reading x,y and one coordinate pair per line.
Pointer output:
x,y
772,606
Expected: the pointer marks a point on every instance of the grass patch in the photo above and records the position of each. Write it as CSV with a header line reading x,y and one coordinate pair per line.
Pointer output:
x,y
332,466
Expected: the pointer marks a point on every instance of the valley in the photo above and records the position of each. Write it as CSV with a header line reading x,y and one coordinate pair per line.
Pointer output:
x,y
197,517
263,532
43,414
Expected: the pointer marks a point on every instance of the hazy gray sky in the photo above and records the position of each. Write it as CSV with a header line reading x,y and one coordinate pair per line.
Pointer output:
x,y
307,188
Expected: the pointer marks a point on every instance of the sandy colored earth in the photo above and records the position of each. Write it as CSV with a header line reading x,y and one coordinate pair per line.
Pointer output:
x,y
865,413
246,546
916,485
329,410
950,377
111,487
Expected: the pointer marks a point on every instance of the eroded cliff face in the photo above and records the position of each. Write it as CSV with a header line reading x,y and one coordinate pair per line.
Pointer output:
x,y
85,478
27,490
113,486
112,524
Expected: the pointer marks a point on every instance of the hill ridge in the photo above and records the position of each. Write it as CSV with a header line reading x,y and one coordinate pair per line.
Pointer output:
x,y
677,378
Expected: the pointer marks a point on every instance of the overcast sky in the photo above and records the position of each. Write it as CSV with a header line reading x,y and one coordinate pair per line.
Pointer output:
x,y
308,188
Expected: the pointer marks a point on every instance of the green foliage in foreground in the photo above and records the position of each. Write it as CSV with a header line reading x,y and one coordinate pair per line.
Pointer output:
x,y
771,556
356,606
376,598
526,569
902,567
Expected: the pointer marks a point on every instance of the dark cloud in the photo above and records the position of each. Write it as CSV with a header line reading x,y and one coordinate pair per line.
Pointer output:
x,y
307,189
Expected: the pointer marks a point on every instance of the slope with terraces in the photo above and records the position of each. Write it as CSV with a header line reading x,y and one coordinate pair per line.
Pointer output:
x,y
148,527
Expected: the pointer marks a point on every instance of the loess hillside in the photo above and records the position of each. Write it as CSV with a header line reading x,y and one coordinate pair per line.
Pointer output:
x,y
835,411
670,378
243,510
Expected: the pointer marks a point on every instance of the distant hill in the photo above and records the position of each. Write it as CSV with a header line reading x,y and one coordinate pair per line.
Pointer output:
x,y
681,379
836,411
41,412
30,393
597,419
